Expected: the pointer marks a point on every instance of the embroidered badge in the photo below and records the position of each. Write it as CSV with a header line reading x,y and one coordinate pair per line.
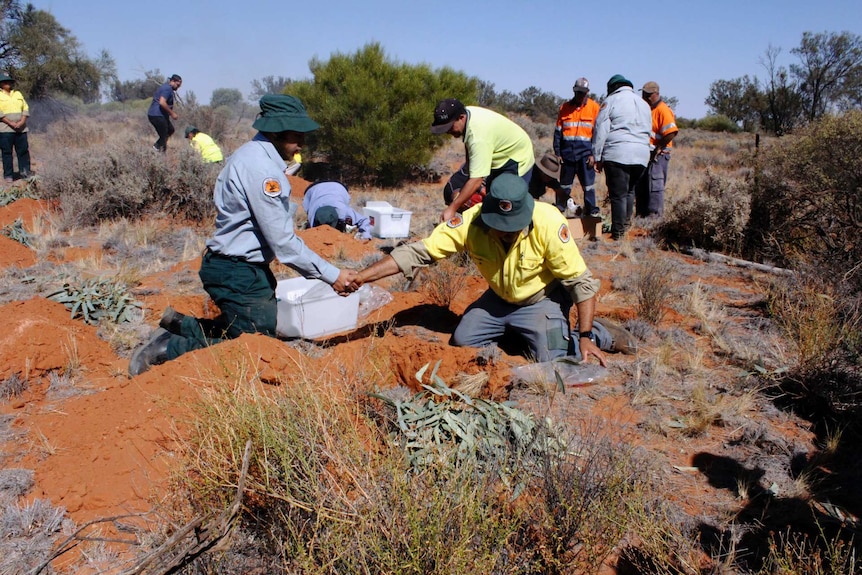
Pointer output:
x,y
564,234
455,221
271,187
505,206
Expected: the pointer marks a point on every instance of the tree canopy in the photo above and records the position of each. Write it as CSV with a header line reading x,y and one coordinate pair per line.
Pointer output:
x,y
374,113
826,78
43,56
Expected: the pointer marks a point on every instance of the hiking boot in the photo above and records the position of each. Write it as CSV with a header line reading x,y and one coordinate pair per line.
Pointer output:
x,y
154,352
624,342
172,320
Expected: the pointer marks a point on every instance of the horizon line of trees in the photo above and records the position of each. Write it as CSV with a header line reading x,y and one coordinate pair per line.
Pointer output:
x,y
46,59
826,78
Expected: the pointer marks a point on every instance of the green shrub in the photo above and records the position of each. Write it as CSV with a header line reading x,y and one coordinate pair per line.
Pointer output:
x,y
712,218
96,299
718,123
807,201
374,113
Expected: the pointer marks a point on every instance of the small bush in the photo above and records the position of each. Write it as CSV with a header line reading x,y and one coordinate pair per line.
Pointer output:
x,y
445,484
714,217
718,123
654,281
16,231
128,181
98,299
445,279
12,386
807,201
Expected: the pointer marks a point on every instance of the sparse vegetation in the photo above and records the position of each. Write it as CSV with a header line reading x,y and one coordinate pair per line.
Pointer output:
x,y
442,482
425,499
654,282
98,299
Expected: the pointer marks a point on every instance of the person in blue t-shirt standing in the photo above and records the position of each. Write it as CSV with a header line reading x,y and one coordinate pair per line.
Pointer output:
x,y
161,111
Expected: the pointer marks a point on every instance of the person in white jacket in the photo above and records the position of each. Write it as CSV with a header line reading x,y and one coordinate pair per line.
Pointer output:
x,y
621,143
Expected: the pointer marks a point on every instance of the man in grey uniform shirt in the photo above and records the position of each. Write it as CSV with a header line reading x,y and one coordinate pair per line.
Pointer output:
x,y
254,225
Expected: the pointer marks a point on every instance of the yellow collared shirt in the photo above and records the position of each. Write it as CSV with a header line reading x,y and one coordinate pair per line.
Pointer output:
x,y
543,253
14,106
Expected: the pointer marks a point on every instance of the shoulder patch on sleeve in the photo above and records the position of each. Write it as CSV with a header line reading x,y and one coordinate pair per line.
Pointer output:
x,y
455,221
563,233
271,187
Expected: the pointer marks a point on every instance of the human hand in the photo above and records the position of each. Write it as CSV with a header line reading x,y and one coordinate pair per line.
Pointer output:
x,y
346,283
448,214
589,348
343,285
591,161
598,166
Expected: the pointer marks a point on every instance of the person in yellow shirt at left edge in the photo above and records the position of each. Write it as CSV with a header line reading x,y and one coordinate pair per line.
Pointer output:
x,y
13,129
205,145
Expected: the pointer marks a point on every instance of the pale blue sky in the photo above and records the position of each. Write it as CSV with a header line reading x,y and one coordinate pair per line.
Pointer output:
x,y
514,44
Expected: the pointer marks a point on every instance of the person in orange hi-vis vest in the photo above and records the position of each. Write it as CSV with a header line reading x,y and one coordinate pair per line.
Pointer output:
x,y
573,136
649,194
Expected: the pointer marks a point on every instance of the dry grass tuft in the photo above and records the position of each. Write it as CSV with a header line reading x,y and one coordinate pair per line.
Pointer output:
x,y
655,280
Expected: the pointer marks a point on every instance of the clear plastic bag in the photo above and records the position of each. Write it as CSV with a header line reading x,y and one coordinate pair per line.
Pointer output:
x,y
572,372
372,297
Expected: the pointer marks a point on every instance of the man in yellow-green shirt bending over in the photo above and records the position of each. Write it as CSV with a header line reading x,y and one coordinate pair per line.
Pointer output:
x,y
209,150
494,144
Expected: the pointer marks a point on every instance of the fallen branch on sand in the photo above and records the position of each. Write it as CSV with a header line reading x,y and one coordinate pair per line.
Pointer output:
x,y
721,258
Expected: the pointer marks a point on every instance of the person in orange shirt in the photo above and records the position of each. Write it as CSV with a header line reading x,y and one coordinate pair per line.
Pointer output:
x,y
649,194
573,136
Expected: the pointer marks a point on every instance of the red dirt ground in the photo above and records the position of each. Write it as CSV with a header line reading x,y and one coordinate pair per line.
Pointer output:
x,y
110,452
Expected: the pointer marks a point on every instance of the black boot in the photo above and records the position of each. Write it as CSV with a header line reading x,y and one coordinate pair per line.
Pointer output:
x,y
154,352
172,320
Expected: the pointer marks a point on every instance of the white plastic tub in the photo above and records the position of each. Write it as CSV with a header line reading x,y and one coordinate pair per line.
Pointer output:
x,y
311,309
387,221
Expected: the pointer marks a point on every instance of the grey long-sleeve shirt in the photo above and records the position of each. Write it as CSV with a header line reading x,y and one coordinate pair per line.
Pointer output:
x,y
254,218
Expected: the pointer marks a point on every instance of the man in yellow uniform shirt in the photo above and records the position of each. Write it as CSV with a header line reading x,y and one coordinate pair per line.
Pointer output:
x,y
13,129
534,270
208,149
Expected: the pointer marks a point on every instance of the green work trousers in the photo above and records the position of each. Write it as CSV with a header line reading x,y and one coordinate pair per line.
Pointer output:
x,y
245,294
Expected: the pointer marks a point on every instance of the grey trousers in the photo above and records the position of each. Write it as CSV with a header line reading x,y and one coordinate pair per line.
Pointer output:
x,y
544,325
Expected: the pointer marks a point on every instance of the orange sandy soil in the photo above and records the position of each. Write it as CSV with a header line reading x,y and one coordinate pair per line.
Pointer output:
x,y
110,452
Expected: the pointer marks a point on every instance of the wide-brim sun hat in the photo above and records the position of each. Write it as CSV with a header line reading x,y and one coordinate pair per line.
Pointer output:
x,y
508,207
551,166
283,113
6,78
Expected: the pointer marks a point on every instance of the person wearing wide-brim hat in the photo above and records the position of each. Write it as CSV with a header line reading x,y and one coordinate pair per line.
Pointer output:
x,y
534,271
254,225
13,130
546,174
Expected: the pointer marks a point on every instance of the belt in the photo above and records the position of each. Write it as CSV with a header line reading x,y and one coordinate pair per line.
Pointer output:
x,y
235,259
